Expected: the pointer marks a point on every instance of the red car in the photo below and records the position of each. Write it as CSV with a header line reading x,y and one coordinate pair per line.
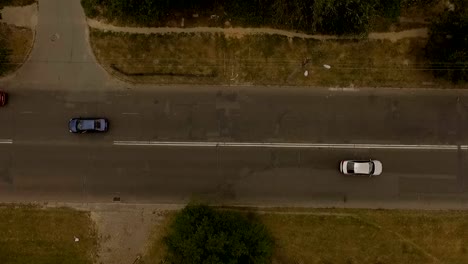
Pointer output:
x,y
3,98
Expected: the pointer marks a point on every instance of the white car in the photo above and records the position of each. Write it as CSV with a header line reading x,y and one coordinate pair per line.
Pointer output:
x,y
361,167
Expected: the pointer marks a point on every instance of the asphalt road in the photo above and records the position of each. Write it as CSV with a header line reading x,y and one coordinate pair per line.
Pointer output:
x,y
46,162
41,161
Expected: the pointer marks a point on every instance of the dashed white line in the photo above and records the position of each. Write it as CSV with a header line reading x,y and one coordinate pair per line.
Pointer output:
x,y
130,113
26,112
6,141
289,145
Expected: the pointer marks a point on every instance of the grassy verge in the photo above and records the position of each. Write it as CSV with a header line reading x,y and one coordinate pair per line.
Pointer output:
x,y
359,236
34,235
205,58
16,42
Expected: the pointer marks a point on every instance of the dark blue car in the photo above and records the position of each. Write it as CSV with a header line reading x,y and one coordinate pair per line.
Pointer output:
x,y
84,125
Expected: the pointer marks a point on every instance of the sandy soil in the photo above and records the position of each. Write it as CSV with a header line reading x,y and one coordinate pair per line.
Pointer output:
x,y
20,16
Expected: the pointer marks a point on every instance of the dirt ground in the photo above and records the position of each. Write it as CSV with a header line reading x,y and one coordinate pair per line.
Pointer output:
x,y
20,16
124,230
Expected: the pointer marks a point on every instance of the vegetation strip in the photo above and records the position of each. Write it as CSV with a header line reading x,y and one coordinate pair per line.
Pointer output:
x,y
205,58
346,235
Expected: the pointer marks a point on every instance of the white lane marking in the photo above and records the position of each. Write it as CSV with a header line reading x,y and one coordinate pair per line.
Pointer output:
x,y
289,145
26,112
6,141
130,113
346,89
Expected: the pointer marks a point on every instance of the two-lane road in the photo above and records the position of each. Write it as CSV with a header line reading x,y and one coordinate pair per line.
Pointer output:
x,y
40,160
46,162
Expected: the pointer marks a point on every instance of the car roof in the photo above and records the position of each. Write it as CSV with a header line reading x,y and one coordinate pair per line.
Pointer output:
x,y
361,167
87,124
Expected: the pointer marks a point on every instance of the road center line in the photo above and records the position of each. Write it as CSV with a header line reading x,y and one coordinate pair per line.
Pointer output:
x,y
288,145
6,141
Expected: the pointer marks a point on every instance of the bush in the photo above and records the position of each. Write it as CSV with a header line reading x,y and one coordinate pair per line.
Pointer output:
x,y
4,57
447,47
201,234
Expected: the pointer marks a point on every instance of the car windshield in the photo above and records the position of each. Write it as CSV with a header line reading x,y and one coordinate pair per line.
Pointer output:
x,y
350,167
371,167
79,124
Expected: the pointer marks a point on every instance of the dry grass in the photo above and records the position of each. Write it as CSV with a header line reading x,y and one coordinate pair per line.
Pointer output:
x,y
206,58
443,234
370,236
18,41
346,236
34,235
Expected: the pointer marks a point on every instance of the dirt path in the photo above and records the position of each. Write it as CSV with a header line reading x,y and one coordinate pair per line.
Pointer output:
x,y
393,36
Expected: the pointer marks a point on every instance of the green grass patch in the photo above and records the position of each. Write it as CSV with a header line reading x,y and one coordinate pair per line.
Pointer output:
x,y
31,234
356,236
206,58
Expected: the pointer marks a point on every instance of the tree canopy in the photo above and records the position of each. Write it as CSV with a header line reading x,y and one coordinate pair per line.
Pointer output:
x,y
311,16
201,234
447,47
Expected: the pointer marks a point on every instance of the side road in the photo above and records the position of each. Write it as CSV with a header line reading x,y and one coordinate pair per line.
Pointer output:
x,y
61,58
